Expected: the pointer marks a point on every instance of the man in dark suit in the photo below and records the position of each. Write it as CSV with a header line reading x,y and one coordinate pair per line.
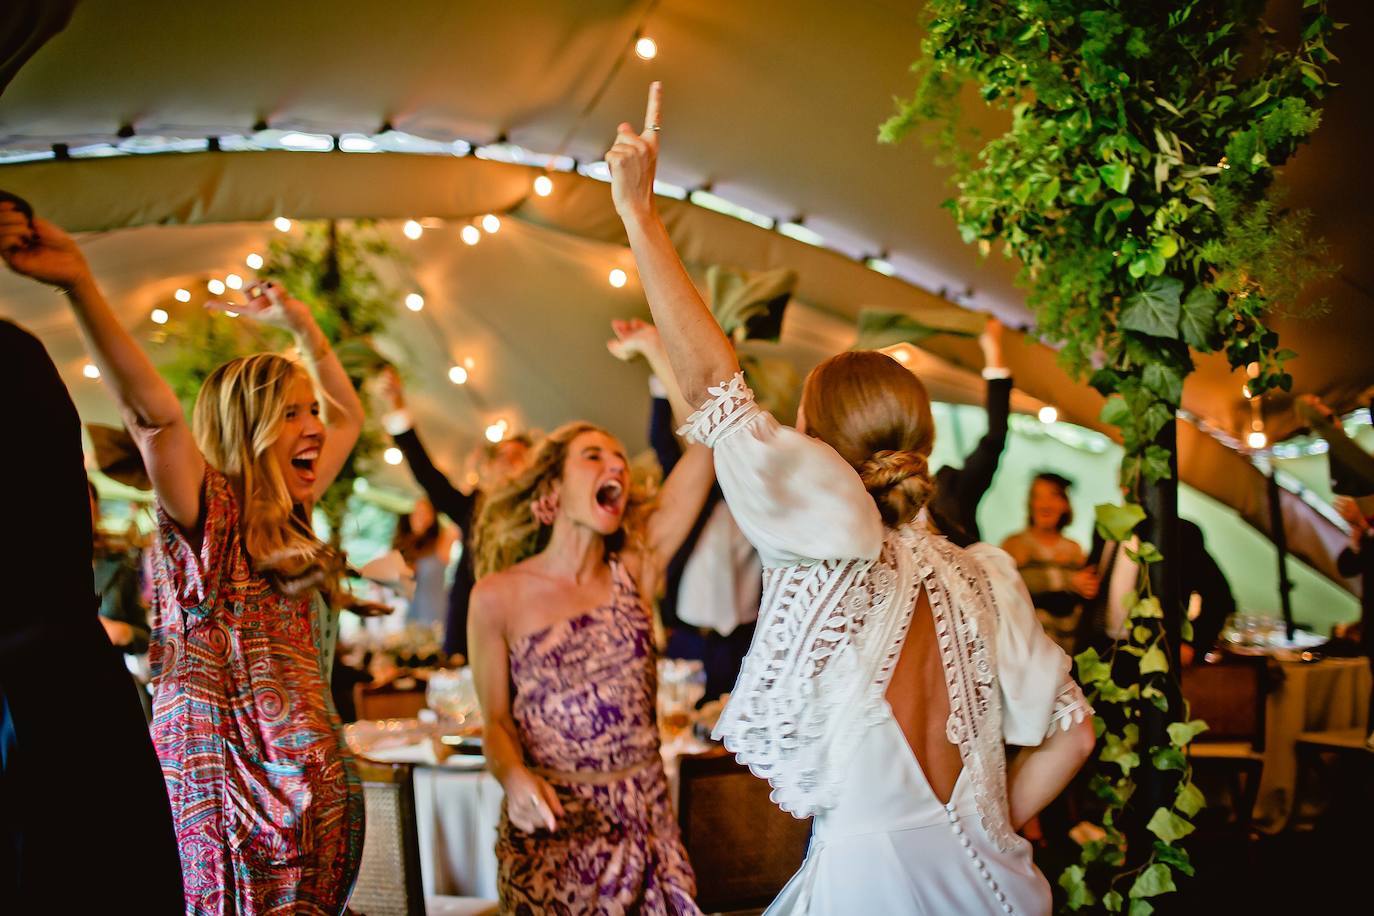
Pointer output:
x,y
958,491
1105,617
84,814
507,459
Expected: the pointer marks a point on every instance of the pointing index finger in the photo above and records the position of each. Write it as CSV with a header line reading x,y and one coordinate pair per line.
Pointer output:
x,y
653,115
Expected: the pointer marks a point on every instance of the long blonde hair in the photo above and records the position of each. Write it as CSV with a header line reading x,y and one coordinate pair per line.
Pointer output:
x,y
507,531
238,416
876,414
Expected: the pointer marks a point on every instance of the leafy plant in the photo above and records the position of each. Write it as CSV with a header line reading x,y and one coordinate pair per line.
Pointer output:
x,y
1135,185
332,269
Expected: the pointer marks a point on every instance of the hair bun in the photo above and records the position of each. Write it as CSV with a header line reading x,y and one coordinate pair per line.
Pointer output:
x,y
899,482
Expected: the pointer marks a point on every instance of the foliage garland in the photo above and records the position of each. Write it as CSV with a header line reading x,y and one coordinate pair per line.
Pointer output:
x,y
1135,186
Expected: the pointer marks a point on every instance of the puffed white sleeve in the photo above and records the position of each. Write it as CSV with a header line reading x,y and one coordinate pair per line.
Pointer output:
x,y
794,497
1039,695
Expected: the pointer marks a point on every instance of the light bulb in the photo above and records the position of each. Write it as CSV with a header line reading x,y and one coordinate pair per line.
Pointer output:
x,y
413,230
491,223
543,185
618,278
231,314
415,302
646,48
1048,415
360,485
471,234
159,316
216,286
282,223
1257,439
183,295
254,261
393,456
234,281
1245,390
458,375
90,370
496,431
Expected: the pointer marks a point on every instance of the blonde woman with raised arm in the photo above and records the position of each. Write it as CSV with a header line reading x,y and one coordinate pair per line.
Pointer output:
x,y
891,669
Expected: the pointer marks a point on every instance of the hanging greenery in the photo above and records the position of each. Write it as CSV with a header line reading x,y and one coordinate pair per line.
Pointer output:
x,y
332,269
1135,186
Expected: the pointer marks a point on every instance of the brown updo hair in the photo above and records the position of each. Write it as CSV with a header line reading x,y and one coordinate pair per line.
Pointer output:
x,y
876,414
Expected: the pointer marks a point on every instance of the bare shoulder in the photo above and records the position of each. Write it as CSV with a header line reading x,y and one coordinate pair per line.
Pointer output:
x,y
492,596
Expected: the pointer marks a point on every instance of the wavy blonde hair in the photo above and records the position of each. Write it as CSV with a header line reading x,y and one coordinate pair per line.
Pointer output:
x,y
238,416
876,414
507,531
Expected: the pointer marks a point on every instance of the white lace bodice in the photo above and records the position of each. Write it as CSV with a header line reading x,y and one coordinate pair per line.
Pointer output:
x,y
838,595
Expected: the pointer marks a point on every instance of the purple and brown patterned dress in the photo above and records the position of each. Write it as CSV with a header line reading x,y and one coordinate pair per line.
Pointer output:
x,y
584,703
267,806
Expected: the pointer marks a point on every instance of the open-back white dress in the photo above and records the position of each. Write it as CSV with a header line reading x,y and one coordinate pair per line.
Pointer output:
x,y
809,711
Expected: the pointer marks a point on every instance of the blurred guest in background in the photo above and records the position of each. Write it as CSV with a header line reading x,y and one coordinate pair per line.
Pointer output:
x,y
958,491
425,544
503,461
118,568
1051,563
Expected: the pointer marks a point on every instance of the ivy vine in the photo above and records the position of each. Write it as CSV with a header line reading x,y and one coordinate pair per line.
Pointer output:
x,y
1134,184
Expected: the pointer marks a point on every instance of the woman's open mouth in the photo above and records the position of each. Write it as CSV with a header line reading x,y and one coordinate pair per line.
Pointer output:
x,y
610,497
303,463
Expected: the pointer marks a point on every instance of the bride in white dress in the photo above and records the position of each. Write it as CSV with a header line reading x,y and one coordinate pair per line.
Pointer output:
x,y
890,669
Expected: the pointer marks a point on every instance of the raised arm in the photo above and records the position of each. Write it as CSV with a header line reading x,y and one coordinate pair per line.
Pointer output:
x,y
440,491
698,350
148,405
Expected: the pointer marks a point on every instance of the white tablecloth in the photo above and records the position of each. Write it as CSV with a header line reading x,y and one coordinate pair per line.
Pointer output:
x,y
457,809
1318,696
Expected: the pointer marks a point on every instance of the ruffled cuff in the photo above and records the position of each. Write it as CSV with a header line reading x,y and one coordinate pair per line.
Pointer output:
x,y
1070,708
731,406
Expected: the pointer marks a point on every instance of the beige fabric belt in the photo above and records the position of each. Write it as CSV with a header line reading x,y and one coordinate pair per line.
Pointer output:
x,y
595,777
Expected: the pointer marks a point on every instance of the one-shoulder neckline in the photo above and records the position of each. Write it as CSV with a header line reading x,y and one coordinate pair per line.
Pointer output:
x,y
619,584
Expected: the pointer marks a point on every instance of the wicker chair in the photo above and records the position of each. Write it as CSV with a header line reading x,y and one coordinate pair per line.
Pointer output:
x,y
743,848
389,882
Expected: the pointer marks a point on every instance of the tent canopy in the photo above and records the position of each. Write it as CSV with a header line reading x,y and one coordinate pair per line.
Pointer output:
x,y
772,106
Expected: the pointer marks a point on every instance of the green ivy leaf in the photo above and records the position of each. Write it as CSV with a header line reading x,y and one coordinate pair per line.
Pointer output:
x,y
1157,697
1157,464
1091,668
1119,750
1115,523
1148,607
1116,412
1164,381
1141,634
1181,733
1140,907
1168,826
1174,856
1154,661
1185,630
1154,309
1168,758
1199,320
1190,801
1116,175
1153,881
1072,881
1112,902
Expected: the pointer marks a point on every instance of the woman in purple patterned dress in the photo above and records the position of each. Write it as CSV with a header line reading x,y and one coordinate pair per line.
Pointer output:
x,y
267,808
563,655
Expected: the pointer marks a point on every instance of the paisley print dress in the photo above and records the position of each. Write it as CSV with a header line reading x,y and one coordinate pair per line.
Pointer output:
x,y
267,805
584,702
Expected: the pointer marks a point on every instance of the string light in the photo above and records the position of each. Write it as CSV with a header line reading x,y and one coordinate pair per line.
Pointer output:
x,y
1257,439
91,371
469,363
282,223
231,314
182,295
1048,415
415,302
618,278
254,262
646,48
1245,390
1252,370
458,375
234,281
413,229
543,185
471,234
497,431
491,223
159,316
393,456
216,287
